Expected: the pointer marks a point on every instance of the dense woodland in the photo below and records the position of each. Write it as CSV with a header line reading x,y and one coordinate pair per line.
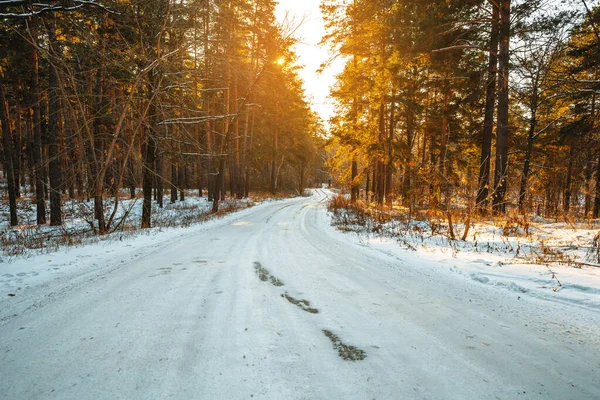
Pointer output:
x,y
486,105
103,98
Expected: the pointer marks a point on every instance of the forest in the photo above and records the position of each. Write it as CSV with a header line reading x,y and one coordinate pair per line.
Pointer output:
x,y
104,99
300,199
468,105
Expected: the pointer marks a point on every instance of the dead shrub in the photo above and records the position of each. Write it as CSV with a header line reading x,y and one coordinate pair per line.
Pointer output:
x,y
516,226
593,253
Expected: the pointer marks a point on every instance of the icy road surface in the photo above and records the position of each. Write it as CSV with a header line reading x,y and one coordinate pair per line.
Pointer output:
x,y
273,303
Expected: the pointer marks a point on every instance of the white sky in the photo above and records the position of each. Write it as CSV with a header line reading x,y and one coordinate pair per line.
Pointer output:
x,y
309,53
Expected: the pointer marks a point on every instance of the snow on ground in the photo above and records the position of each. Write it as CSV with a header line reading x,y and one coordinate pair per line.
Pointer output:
x,y
79,226
78,214
42,266
560,283
273,302
550,260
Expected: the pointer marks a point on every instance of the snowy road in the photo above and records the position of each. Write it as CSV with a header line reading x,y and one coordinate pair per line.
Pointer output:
x,y
263,304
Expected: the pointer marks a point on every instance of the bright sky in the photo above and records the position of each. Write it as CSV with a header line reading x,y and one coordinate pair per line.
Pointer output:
x,y
309,53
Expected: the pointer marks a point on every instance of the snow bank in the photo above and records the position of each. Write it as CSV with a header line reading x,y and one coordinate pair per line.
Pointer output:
x,y
38,267
550,261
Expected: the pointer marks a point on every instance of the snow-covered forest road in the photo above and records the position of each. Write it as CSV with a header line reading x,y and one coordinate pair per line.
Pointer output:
x,y
273,303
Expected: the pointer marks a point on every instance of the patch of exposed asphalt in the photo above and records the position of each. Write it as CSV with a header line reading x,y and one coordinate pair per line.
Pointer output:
x,y
264,275
303,304
276,281
348,353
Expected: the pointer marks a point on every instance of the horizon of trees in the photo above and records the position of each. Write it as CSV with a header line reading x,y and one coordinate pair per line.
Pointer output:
x,y
488,105
103,95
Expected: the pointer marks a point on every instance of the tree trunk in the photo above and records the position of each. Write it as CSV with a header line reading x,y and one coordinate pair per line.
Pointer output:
x,y
590,163
8,153
29,152
181,182
150,153
37,130
353,186
410,125
96,155
71,155
159,181
488,123
589,168
301,180
569,183
220,181
501,169
274,160
131,179
224,145
53,130
199,163
390,160
17,154
443,148
597,199
235,171
173,182
527,163
242,181
380,165
211,186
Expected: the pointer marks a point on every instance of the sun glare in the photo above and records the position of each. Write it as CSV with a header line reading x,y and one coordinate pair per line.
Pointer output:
x,y
281,61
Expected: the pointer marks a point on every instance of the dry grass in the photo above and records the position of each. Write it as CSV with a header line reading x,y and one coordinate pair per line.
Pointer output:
x,y
31,239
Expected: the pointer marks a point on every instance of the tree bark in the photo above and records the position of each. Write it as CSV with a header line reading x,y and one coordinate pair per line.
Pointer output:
x,y
96,155
367,185
590,162
501,169
242,181
224,145
173,182
597,197
569,183
589,168
443,148
37,129
274,160
488,123
159,181
380,164
211,181
150,154
410,134
354,187
390,159
8,153
181,181
53,130
526,164
17,154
